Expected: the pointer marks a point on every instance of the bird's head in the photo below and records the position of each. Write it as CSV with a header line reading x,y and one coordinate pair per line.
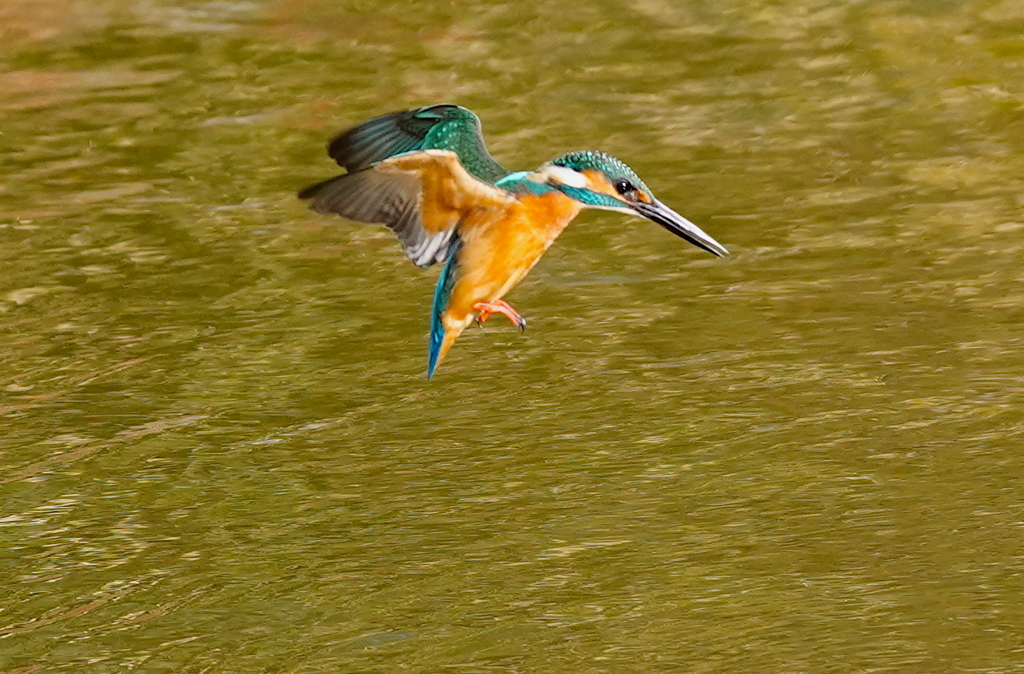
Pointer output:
x,y
598,180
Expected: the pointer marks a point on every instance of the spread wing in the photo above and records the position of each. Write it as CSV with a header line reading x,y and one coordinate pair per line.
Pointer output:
x,y
383,137
435,127
420,196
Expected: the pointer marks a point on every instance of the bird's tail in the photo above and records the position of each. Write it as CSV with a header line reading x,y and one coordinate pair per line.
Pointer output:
x,y
446,343
440,342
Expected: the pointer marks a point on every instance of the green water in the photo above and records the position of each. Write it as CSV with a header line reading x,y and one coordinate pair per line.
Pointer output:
x,y
219,451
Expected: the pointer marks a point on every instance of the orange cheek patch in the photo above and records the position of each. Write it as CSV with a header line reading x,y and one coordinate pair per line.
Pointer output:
x,y
644,197
599,183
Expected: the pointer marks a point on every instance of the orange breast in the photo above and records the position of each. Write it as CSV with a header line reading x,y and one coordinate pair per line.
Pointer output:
x,y
497,252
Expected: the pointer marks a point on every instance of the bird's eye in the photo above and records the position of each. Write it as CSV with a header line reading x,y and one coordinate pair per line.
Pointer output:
x,y
622,186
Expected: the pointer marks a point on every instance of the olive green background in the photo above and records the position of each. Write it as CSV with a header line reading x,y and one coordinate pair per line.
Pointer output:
x,y
219,452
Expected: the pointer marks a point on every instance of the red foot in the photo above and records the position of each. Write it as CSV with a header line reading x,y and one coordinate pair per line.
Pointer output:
x,y
499,307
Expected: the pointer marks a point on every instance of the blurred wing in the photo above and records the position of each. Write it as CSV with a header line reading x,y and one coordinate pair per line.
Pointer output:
x,y
420,196
435,127
371,197
386,136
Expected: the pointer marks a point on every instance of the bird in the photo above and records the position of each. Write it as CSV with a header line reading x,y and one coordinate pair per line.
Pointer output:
x,y
426,174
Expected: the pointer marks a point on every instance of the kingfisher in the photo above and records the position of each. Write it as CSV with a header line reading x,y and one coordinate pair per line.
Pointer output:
x,y
426,174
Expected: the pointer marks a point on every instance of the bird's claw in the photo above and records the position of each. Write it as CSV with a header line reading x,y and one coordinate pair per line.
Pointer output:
x,y
485,309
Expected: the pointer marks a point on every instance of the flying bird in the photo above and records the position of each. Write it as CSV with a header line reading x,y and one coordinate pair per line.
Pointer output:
x,y
427,175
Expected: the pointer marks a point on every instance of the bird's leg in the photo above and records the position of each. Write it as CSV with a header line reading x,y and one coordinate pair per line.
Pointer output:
x,y
502,307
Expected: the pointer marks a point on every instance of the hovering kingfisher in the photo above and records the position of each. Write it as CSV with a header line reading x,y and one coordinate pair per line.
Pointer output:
x,y
426,175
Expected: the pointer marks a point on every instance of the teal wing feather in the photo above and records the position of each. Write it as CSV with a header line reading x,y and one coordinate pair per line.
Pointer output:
x,y
435,127
442,291
366,195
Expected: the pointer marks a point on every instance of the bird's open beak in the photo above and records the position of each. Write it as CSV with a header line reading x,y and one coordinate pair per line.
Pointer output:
x,y
678,225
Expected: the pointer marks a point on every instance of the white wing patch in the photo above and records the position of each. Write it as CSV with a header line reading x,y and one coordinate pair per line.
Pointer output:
x,y
430,249
422,197
446,193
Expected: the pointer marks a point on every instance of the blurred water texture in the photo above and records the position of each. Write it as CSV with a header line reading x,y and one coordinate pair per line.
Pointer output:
x,y
219,452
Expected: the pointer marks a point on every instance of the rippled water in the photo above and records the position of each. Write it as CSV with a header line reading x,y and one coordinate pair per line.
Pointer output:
x,y
220,453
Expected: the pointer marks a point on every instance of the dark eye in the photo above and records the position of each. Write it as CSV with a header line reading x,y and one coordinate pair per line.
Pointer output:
x,y
622,186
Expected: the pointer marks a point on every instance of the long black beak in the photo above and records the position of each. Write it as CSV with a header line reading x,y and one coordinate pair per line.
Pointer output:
x,y
678,225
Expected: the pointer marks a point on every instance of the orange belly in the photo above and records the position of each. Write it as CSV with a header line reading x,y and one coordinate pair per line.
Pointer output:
x,y
497,254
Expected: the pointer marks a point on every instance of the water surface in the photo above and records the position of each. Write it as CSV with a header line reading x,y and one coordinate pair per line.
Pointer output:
x,y
220,453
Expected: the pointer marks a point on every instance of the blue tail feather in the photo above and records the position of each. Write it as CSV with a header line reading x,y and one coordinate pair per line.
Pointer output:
x,y
443,290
